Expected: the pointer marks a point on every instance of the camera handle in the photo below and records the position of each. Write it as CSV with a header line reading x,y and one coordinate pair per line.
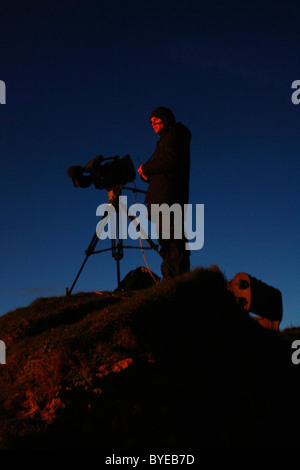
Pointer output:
x,y
116,244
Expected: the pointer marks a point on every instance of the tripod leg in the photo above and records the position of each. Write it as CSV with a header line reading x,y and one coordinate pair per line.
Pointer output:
x,y
145,235
118,272
117,253
69,291
88,252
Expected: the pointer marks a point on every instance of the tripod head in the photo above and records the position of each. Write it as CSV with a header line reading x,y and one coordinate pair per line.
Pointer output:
x,y
113,195
116,191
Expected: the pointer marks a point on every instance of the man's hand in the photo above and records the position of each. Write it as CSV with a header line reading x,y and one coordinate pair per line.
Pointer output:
x,y
140,172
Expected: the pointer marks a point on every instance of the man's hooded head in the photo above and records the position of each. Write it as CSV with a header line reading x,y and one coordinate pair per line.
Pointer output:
x,y
165,114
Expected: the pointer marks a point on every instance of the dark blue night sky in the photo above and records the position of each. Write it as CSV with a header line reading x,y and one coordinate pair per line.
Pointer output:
x,y
82,78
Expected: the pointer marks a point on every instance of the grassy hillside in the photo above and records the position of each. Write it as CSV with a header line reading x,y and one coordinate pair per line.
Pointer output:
x,y
175,366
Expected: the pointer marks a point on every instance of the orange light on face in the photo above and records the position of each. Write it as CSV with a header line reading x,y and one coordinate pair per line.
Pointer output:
x,y
157,124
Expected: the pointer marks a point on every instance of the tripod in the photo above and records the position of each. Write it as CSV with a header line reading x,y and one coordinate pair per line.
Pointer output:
x,y
116,243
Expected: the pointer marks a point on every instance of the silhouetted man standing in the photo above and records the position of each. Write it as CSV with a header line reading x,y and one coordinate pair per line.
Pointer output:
x,y
167,172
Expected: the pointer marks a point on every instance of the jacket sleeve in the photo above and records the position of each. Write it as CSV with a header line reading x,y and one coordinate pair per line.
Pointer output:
x,y
164,159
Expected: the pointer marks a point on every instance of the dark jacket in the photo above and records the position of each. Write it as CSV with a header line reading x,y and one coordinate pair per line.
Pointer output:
x,y
168,169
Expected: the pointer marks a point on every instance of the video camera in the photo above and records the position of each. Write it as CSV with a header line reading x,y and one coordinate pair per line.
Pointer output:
x,y
118,171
